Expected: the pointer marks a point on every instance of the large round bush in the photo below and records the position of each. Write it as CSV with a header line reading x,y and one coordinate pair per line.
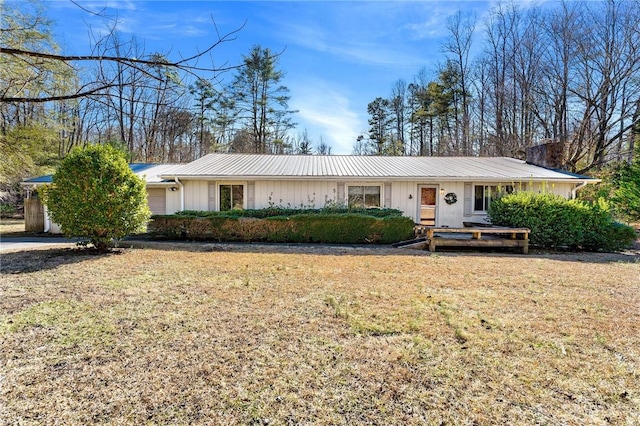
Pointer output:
x,y
556,222
96,196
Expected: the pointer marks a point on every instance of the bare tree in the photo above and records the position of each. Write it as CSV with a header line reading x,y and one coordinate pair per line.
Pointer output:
x,y
608,68
398,105
461,28
42,58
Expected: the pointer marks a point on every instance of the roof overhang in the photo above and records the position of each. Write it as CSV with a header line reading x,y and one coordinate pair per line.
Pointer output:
x,y
505,179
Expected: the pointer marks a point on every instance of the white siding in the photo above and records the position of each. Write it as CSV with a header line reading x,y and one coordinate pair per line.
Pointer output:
x,y
446,214
294,194
451,215
315,194
196,195
560,188
173,201
400,192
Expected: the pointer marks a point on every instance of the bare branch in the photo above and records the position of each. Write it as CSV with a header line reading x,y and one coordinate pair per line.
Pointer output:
x,y
188,65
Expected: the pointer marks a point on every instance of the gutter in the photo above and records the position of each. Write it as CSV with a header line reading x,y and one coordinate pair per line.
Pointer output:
x,y
426,179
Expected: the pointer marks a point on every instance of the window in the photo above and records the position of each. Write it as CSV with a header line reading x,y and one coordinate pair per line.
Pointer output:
x,y
483,194
364,196
231,197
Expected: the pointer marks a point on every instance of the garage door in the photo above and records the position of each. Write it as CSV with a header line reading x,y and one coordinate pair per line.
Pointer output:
x,y
157,200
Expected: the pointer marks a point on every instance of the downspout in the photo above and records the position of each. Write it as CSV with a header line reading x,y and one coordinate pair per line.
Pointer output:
x,y
574,191
181,192
47,220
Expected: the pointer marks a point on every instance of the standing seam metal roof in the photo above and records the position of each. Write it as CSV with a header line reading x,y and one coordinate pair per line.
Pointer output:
x,y
150,172
336,166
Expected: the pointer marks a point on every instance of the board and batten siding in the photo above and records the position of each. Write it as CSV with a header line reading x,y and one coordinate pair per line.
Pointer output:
x,y
405,196
196,195
400,195
294,194
173,201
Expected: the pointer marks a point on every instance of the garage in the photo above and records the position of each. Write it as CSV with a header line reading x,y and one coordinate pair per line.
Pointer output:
x,y
157,198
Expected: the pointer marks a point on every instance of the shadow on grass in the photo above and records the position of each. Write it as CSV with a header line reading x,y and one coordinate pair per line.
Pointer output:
x,y
632,256
26,261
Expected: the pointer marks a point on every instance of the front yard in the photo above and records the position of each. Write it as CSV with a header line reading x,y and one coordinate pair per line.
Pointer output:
x,y
244,334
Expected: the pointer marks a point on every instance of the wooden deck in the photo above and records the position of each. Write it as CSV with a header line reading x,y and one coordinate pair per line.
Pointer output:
x,y
430,238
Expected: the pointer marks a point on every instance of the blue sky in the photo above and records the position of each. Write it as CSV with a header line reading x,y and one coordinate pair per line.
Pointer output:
x,y
337,56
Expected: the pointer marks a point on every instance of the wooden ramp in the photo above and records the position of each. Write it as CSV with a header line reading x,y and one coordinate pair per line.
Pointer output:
x,y
420,243
476,237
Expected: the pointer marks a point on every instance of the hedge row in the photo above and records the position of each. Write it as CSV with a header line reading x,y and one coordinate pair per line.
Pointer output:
x,y
556,222
347,228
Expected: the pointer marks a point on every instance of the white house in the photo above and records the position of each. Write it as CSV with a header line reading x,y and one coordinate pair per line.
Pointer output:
x,y
436,191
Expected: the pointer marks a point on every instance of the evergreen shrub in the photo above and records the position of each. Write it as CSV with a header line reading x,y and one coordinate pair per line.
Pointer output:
x,y
556,222
96,197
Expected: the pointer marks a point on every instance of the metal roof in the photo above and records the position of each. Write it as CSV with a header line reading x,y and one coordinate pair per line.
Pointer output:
x,y
150,172
256,166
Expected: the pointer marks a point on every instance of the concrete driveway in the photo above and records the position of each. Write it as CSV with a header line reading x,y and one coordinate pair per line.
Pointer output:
x,y
29,243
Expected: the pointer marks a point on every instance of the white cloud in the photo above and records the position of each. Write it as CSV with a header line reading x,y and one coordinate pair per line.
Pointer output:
x,y
346,46
326,113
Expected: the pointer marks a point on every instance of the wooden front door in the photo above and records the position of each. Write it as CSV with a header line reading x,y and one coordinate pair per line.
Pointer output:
x,y
428,203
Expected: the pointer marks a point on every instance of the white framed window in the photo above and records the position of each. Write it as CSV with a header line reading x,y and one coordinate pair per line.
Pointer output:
x,y
231,196
364,196
482,195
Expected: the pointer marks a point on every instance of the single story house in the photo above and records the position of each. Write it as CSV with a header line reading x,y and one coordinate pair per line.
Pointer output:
x,y
161,194
434,191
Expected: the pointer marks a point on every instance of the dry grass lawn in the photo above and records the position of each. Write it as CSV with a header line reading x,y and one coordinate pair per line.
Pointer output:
x,y
11,226
241,334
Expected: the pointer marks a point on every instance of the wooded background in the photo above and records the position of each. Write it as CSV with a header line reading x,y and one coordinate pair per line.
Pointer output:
x,y
569,73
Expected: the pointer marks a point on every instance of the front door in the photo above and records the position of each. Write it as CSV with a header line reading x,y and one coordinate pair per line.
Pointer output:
x,y
427,208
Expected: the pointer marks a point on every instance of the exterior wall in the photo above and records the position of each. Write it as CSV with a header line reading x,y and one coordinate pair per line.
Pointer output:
x,y
404,196
164,199
561,188
451,215
294,194
157,199
173,201
196,195
49,226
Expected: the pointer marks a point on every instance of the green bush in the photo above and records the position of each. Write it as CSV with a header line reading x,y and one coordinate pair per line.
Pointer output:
x,y
620,186
345,228
95,196
556,222
7,210
627,195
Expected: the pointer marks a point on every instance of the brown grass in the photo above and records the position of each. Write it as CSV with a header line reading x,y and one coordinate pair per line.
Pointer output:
x,y
241,334
11,226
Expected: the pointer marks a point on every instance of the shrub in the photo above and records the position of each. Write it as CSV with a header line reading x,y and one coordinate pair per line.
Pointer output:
x,y
627,195
556,222
7,210
620,186
95,196
345,228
